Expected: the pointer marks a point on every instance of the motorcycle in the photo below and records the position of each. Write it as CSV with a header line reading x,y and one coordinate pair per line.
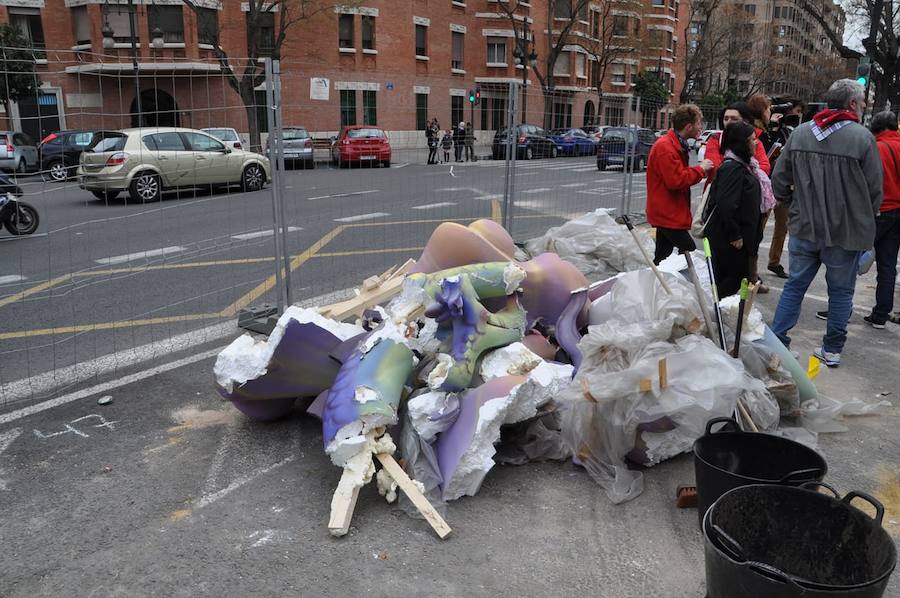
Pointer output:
x,y
18,217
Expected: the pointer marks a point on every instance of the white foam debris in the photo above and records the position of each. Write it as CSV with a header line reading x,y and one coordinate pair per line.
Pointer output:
x,y
512,360
544,382
513,275
411,298
387,487
387,330
364,394
424,341
246,359
753,328
441,370
422,407
359,468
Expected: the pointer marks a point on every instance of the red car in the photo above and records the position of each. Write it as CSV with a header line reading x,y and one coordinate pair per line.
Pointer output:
x,y
361,144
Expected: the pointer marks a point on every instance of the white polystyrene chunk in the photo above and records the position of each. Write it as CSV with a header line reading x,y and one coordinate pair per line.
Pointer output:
x,y
410,299
364,394
544,382
245,359
513,275
440,372
512,360
422,407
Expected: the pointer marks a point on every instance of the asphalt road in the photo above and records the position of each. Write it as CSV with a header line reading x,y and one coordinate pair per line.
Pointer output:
x,y
102,279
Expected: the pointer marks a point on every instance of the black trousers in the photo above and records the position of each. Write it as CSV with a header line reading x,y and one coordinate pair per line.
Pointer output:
x,y
432,153
669,238
730,266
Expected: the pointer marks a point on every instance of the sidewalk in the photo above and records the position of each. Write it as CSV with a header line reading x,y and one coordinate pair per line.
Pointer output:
x,y
169,491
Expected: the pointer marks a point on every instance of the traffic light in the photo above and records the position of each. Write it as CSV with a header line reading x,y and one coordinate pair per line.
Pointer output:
x,y
477,95
471,96
863,70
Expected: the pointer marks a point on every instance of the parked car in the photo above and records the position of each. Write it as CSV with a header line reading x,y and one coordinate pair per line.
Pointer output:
x,y
361,144
61,151
700,145
226,135
595,131
705,135
146,161
298,146
18,152
531,142
616,140
574,142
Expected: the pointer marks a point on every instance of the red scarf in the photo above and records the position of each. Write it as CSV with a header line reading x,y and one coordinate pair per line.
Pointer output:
x,y
829,116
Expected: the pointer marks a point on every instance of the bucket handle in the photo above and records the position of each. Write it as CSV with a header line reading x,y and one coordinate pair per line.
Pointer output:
x,y
728,421
774,573
879,508
728,544
802,475
814,485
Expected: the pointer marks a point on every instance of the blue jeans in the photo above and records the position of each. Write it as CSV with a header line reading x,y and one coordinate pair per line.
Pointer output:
x,y
887,244
840,275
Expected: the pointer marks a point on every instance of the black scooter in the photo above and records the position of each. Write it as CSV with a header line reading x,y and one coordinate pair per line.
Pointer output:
x,y
18,217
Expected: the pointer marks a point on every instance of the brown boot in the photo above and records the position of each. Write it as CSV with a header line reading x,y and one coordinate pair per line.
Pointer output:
x,y
754,276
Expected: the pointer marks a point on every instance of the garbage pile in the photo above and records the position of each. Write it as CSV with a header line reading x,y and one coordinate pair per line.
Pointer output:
x,y
469,344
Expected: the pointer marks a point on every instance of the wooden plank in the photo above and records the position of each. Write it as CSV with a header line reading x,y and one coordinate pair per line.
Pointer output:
x,y
645,385
342,507
663,373
415,496
365,300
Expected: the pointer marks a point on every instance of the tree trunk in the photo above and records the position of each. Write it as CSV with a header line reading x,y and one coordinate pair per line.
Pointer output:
x,y
254,126
548,109
600,105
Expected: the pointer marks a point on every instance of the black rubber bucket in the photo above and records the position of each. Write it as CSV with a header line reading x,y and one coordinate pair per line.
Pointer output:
x,y
769,541
730,458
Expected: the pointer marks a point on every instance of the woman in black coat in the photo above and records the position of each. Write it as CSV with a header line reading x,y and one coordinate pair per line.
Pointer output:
x,y
733,229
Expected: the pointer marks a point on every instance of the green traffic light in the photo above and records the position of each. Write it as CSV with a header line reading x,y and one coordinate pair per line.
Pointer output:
x,y
861,80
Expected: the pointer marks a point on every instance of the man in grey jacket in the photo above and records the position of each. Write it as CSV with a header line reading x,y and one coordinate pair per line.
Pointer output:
x,y
829,175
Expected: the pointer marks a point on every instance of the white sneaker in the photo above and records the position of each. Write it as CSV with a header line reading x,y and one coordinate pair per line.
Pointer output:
x,y
832,360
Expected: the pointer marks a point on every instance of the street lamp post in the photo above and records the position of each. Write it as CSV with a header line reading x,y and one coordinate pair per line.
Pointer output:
x,y
526,60
110,42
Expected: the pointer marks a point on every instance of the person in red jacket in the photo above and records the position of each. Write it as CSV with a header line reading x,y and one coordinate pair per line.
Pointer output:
x,y
887,223
669,182
735,113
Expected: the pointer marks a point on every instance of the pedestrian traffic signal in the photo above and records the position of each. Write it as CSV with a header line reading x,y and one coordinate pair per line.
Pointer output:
x,y
477,95
471,96
863,70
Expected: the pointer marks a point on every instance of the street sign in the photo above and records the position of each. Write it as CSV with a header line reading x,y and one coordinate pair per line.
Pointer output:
x,y
318,88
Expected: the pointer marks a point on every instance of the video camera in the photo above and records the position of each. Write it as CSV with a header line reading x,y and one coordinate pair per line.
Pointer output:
x,y
787,120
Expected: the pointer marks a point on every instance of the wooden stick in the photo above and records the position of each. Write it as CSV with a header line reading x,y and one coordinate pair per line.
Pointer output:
x,y
646,255
415,495
663,373
342,507
701,295
751,295
745,415
645,385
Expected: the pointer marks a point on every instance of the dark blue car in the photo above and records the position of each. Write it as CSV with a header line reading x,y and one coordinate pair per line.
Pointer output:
x,y
615,141
574,142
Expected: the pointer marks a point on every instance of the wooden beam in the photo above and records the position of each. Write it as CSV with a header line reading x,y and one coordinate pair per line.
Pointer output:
x,y
415,495
342,507
663,373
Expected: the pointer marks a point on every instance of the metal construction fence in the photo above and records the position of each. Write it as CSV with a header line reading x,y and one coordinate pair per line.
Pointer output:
x,y
152,241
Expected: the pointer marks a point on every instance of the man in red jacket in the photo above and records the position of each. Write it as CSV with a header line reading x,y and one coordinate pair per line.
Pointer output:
x,y
669,182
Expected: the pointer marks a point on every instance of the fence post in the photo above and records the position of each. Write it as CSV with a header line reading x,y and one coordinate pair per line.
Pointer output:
x,y
511,149
279,153
631,171
273,188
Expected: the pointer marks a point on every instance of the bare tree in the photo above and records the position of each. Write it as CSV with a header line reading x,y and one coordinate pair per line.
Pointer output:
x,y
245,74
715,46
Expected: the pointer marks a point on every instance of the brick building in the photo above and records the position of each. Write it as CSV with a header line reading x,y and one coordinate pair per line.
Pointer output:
x,y
394,63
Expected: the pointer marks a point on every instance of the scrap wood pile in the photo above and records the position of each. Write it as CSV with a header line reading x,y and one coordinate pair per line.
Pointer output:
x,y
443,356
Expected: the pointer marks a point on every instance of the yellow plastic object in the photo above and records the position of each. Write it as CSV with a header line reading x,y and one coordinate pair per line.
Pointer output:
x,y
813,368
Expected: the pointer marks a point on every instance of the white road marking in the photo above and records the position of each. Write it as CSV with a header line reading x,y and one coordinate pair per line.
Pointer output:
x,y
211,498
11,278
140,255
584,169
573,185
22,237
600,192
539,190
26,411
212,476
6,439
451,189
489,197
362,217
430,206
451,172
350,194
261,233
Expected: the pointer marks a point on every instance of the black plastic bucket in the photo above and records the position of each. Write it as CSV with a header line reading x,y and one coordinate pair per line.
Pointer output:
x,y
730,458
769,541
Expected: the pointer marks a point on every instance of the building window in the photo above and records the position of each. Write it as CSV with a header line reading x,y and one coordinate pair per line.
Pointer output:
x,y
562,115
348,107
618,73
579,66
750,9
169,20
659,2
421,111
345,31
28,22
81,25
265,34
456,62
614,115
496,50
669,39
368,35
562,9
421,40
457,111
620,25
637,27
208,26
595,24
117,17
370,111
561,66
582,10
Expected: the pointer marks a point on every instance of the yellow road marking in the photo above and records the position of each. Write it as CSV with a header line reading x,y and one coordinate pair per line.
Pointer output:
x,y
269,283
366,251
496,211
106,326
35,289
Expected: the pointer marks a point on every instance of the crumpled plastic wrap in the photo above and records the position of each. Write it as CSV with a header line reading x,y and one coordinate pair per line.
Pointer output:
x,y
594,243
821,414
608,418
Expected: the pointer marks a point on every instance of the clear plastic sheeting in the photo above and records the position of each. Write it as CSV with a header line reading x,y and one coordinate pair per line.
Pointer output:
x,y
609,420
821,415
594,243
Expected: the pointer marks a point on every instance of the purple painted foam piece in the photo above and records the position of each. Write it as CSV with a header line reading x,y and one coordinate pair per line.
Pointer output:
x,y
339,400
451,307
452,444
546,288
317,407
300,367
601,288
567,334
264,411
344,350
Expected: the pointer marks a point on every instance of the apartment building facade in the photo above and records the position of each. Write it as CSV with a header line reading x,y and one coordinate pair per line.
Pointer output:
x,y
394,63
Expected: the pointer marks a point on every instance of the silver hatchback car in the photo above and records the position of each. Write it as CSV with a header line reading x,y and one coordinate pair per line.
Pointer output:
x,y
18,152
146,161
